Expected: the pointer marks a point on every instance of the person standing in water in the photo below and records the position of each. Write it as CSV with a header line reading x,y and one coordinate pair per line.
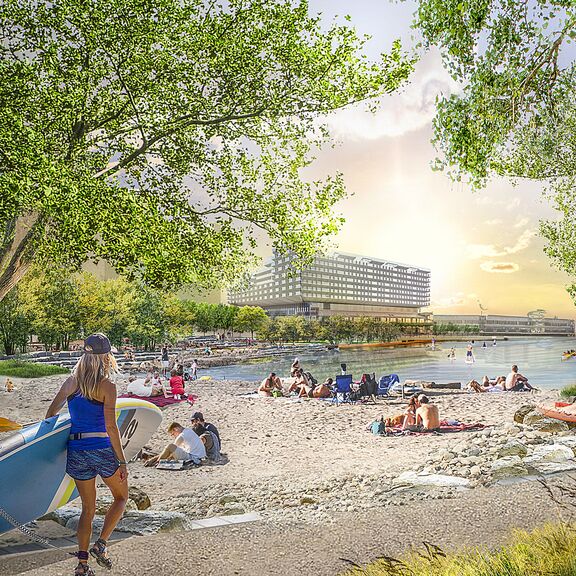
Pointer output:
x,y
469,353
94,446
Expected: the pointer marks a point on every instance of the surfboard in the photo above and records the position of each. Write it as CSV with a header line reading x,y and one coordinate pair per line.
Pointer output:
x,y
33,479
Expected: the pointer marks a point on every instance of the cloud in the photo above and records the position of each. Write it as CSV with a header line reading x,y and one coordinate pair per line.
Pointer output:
x,y
476,251
494,222
500,267
401,112
449,301
521,223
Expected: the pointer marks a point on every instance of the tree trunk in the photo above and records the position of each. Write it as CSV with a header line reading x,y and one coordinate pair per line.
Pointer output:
x,y
16,252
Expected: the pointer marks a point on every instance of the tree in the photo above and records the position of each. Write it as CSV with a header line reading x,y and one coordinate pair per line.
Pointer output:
x,y
516,114
51,302
150,318
106,306
15,325
250,319
161,138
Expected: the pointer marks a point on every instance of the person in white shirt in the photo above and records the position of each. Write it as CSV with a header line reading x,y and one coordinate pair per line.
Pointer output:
x,y
187,445
150,386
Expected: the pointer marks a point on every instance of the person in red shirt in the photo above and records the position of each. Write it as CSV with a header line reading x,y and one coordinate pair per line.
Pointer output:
x,y
177,385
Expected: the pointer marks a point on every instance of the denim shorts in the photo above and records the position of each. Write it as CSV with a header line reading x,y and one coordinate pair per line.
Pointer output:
x,y
87,464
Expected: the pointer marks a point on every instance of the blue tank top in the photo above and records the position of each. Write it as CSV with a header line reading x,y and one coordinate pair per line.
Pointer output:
x,y
86,416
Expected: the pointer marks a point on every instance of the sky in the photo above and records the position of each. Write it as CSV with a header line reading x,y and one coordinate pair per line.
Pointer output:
x,y
481,247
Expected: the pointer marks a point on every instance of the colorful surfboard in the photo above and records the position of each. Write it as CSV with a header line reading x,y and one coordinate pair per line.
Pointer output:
x,y
33,479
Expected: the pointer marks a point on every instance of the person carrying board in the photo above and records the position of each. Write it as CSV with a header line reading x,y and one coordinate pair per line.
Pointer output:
x,y
94,446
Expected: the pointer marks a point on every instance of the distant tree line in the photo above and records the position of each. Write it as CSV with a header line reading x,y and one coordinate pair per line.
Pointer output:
x,y
452,328
58,307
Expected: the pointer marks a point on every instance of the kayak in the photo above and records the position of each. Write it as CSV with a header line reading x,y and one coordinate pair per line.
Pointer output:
x,y
559,411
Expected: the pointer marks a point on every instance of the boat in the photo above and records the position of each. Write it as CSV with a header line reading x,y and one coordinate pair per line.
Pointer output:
x,y
559,411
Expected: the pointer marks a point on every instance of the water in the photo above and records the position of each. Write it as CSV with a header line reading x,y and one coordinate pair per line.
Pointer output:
x,y
539,359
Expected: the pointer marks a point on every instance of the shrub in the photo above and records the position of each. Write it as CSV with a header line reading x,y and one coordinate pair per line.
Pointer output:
x,y
20,369
549,550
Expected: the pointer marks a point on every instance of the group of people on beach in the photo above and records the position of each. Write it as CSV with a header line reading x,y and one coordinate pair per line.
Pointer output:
x,y
200,442
420,416
300,383
513,382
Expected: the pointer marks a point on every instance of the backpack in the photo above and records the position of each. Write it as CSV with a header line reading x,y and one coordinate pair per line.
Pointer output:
x,y
378,427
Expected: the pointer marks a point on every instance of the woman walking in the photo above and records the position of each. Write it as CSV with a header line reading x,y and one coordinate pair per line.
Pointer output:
x,y
94,446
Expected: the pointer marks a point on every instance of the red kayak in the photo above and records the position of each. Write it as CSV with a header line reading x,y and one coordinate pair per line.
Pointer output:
x,y
559,411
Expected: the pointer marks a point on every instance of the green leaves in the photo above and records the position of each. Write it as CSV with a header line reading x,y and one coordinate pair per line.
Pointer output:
x,y
168,138
516,114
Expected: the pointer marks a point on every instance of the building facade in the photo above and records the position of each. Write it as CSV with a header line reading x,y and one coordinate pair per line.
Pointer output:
x,y
339,285
533,323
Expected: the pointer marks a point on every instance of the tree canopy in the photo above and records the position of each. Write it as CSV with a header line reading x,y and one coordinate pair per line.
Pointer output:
x,y
162,136
516,113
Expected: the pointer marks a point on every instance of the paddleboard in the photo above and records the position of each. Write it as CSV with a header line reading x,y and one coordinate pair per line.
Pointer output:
x,y
559,411
33,479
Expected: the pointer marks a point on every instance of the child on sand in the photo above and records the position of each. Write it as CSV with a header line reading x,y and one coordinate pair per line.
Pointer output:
x,y
177,385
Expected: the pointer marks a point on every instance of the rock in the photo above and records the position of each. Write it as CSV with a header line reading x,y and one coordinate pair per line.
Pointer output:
x,y
227,499
307,500
139,497
410,477
569,441
233,510
513,448
522,412
550,425
445,455
550,453
152,521
510,466
103,503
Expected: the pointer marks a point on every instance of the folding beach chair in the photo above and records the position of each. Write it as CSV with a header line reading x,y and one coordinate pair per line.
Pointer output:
x,y
343,387
386,382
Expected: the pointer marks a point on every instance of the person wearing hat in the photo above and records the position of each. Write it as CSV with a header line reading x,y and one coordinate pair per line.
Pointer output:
x,y
94,446
198,418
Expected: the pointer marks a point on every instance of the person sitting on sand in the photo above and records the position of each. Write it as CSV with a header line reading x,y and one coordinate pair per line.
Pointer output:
x,y
427,416
323,390
186,446
516,382
409,417
271,386
198,418
300,383
305,387
295,368
177,385
210,441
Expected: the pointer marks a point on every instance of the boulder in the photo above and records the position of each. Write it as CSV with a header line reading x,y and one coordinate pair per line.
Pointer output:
x,y
139,497
522,412
569,441
433,480
510,466
551,425
103,503
550,453
513,448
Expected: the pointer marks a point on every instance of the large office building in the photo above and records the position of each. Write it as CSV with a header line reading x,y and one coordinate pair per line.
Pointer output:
x,y
340,285
533,323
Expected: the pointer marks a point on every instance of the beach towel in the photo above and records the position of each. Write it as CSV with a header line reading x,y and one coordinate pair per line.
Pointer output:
x,y
160,401
446,427
178,464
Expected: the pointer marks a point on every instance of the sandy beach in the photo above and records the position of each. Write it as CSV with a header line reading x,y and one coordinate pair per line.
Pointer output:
x,y
319,480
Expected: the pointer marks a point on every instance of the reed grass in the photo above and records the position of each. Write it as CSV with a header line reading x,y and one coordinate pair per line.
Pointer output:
x,y
547,551
568,391
21,369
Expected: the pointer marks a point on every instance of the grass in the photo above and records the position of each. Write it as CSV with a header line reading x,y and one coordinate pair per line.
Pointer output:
x,y
547,551
568,391
20,369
